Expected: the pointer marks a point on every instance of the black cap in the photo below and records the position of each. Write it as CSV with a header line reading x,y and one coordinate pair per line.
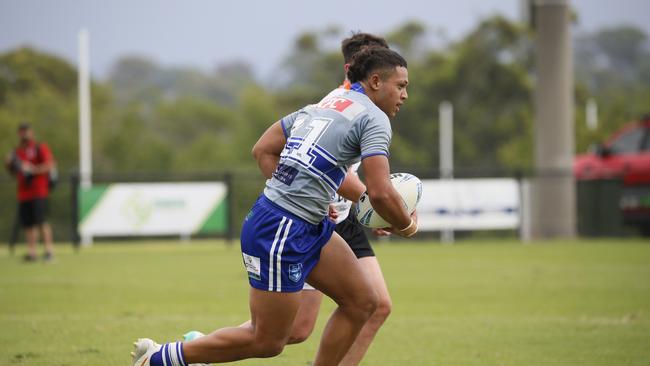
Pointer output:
x,y
24,126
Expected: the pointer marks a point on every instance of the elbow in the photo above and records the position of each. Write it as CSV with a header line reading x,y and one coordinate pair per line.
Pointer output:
x,y
256,152
378,197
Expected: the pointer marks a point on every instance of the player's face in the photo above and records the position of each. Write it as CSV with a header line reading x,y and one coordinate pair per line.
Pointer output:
x,y
25,135
392,91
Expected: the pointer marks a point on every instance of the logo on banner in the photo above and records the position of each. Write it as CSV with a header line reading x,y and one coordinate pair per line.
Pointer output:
x,y
295,272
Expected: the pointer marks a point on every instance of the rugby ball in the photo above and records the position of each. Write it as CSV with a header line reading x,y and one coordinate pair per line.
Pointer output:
x,y
407,185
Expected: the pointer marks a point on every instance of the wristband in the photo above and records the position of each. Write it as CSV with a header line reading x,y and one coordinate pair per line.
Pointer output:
x,y
410,230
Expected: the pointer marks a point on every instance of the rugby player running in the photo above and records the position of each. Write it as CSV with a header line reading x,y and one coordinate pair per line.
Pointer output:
x,y
349,228
287,236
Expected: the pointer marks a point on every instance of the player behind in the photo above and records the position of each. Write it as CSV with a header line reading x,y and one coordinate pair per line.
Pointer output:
x,y
352,232
287,235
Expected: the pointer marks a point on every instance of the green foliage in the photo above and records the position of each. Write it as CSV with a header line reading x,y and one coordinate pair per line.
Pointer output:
x,y
42,89
148,118
258,110
613,68
623,46
152,118
406,38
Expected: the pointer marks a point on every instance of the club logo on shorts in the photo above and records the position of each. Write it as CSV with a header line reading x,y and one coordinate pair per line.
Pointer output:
x,y
295,272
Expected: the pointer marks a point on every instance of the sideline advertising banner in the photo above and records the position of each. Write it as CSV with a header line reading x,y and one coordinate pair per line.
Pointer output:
x,y
132,209
469,204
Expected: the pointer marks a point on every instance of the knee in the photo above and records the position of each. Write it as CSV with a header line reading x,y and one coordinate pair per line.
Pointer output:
x,y
372,304
365,305
269,349
300,334
383,310
298,338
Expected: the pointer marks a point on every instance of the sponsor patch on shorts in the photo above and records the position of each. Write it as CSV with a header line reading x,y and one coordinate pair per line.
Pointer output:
x,y
253,266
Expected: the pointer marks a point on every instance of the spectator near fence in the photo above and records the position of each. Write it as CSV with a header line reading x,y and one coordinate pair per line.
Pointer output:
x,y
32,163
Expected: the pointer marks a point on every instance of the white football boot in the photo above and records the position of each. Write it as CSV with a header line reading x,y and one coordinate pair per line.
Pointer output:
x,y
144,348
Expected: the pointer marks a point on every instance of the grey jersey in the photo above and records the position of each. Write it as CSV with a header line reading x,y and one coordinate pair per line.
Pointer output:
x,y
341,204
323,140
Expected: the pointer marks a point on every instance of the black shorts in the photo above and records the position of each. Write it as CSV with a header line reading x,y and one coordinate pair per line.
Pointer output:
x,y
352,232
32,212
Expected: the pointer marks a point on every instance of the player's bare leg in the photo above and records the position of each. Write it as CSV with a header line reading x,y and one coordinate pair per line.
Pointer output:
x,y
272,316
46,230
31,236
339,275
360,346
306,317
305,320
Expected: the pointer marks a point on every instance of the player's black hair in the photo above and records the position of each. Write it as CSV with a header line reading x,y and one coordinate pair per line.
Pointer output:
x,y
357,41
373,59
24,126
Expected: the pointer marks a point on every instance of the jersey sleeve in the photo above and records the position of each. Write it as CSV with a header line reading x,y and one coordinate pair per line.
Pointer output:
x,y
287,123
375,137
45,155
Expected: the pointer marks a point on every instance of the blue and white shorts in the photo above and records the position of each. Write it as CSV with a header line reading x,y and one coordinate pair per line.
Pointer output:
x,y
280,249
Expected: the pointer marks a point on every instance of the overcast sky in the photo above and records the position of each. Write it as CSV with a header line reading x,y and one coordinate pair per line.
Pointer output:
x,y
204,33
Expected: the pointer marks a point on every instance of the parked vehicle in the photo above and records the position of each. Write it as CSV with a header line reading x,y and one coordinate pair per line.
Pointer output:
x,y
626,156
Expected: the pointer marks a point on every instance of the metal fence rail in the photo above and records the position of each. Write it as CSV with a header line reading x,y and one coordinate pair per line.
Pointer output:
x,y
598,213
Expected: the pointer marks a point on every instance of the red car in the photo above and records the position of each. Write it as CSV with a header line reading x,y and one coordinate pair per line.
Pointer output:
x,y
625,155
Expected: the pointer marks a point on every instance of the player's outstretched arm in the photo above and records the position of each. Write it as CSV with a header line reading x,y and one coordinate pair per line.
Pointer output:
x,y
383,197
268,148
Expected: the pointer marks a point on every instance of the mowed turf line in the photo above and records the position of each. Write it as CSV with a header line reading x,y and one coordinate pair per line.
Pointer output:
x,y
474,303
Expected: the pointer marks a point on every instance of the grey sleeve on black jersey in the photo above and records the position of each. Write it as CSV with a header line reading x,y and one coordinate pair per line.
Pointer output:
x,y
375,136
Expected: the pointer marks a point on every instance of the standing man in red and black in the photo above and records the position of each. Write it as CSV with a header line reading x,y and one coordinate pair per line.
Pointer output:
x,y
31,163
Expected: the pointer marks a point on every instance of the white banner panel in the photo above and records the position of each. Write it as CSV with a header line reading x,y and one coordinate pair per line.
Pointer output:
x,y
153,209
469,204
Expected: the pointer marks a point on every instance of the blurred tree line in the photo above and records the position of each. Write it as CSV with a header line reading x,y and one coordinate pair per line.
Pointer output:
x,y
148,118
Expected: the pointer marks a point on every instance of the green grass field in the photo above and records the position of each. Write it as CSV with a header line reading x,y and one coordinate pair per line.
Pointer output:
x,y
474,303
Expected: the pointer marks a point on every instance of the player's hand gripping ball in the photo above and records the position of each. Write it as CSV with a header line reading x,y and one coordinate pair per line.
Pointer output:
x,y
407,185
